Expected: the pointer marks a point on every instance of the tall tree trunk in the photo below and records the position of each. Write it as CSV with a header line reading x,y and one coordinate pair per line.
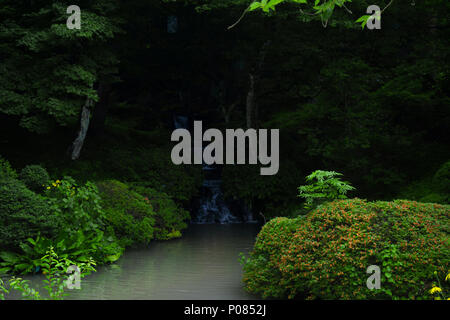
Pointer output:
x,y
100,112
250,102
84,125
254,76
228,110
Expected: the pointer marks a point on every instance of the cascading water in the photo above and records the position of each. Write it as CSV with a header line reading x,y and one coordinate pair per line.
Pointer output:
x,y
181,122
212,207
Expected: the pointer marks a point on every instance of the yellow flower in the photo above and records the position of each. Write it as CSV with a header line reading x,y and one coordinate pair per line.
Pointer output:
x,y
435,289
54,184
48,188
57,181
447,278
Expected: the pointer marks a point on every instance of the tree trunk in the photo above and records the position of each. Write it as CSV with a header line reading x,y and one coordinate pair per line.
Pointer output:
x,y
227,111
251,102
84,125
254,75
100,112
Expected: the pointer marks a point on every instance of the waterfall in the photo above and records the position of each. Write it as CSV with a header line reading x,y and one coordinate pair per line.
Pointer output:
x,y
181,122
212,207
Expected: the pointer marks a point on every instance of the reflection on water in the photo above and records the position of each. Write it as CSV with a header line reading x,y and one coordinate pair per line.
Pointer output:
x,y
201,265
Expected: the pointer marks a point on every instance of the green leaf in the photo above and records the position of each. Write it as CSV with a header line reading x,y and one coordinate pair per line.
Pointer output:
x,y
363,20
9,257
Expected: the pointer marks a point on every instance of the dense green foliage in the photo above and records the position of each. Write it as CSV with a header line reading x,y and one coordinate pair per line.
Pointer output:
x,y
433,188
372,104
77,206
323,186
170,218
34,31
158,172
129,214
325,254
384,132
138,215
6,171
35,177
134,156
78,249
441,179
81,222
55,269
23,214
66,217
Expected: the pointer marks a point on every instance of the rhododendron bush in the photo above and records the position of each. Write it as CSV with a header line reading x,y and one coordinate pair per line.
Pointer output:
x,y
325,254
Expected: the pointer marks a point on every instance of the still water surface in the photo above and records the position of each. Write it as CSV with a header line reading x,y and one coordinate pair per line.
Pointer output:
x,y
201,265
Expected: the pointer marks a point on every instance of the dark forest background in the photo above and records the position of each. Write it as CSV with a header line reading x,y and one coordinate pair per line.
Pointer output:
x,y
371,104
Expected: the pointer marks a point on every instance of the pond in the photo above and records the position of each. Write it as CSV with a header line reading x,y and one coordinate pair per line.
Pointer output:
x,y
204,264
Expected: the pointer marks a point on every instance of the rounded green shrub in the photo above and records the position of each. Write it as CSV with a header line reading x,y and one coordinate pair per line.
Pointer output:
x,y
130,215
261,270
6,171
435,198
35,177
325,254
441,179
170,218
23,214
